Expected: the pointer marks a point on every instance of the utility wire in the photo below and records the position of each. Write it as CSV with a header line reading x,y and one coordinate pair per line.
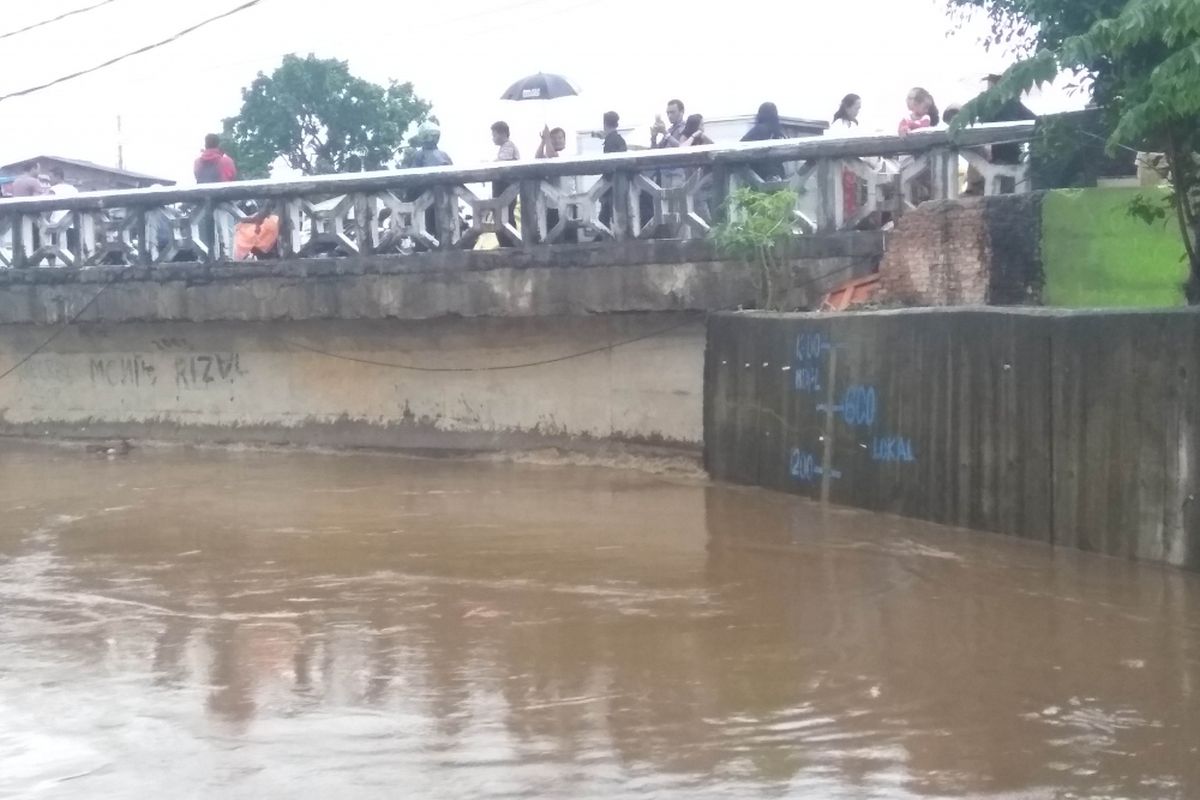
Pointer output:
x,y
59,18
410,367
63,329
501,368
139,51
531,364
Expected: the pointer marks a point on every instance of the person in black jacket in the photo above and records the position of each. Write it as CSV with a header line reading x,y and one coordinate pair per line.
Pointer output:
x,y
766,127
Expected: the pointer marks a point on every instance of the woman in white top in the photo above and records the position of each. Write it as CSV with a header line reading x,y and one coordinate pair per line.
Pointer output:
x,y
846,118
845,123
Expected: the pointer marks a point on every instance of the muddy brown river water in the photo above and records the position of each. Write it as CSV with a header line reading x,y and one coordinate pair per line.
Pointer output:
x,y
184,623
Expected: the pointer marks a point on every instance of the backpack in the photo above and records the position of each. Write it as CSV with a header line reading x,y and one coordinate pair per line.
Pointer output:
x,y
209,171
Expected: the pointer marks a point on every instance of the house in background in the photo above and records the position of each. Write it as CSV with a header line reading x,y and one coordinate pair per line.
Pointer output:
x,y
85,175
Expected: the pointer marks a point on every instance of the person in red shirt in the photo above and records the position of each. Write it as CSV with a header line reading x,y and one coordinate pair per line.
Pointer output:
x,y
27,183
213,165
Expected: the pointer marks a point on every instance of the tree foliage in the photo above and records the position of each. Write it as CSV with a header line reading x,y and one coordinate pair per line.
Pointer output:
x,y
1139,58
757,231
319,118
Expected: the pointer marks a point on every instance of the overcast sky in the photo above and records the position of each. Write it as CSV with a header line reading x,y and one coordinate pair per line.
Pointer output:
x,y
628,55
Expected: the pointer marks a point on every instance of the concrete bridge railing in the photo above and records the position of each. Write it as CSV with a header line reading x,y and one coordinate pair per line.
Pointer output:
x,y
671,194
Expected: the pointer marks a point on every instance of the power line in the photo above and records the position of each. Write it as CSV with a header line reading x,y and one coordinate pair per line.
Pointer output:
x,y
410,367
543,362
75,318
139,51
59,18
493,368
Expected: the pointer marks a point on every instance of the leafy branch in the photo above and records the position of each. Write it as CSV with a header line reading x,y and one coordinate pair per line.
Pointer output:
x,y
757,231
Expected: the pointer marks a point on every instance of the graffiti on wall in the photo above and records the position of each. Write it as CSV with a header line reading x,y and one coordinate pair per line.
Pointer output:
x,y
128,370
195,371
200,371
809,357
857,407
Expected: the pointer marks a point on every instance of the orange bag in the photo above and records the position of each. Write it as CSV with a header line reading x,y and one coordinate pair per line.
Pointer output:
x,y
252,239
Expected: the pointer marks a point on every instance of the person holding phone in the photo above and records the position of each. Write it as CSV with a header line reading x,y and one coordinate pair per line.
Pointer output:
x,y
663,134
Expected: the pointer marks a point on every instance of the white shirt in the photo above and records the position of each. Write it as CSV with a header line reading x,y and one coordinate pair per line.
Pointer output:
x,y
846,129
62,190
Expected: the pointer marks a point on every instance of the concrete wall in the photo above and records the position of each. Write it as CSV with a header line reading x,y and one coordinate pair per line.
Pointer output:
x,y
1077,429
256,382
227,353
610,277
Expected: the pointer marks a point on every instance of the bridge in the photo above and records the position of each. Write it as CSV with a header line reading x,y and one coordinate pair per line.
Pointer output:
x,y
665,194
380,324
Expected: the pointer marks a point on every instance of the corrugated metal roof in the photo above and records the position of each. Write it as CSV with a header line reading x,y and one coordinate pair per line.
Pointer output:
x,y
77,162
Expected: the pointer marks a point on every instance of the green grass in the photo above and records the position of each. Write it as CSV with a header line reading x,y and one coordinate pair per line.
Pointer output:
x,y
1097,256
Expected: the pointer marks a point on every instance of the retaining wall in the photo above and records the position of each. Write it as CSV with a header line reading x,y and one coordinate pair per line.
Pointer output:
x,y
264,383
1069,428
229,353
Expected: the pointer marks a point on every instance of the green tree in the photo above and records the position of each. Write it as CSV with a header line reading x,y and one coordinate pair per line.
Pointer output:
x,y
1138,58
319,118
758,231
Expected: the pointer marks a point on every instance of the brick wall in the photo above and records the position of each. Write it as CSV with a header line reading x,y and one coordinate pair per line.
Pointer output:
x,y
970,251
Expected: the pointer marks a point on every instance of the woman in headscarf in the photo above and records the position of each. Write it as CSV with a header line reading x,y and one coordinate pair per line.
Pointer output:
x,y
766,128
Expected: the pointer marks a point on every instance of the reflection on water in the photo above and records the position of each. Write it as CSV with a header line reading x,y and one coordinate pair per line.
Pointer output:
x,y
260,625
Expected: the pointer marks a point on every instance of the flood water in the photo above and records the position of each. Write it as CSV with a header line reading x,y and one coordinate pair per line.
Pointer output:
x,y
182,623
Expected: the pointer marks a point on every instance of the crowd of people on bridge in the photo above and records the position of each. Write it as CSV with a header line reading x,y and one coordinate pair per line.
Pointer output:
x,y
679,129
257,235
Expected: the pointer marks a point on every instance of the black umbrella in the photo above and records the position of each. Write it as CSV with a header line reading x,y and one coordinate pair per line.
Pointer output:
x,y
543,86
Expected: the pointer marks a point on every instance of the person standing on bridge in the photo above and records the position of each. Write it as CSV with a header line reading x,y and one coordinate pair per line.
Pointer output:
x,y
614,142
845,123
502,138
922,112
427,153
214,166
693,132
662,135
553,143
767,127
27,183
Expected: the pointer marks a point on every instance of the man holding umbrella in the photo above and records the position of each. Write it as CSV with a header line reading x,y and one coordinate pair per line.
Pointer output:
x,y
542,86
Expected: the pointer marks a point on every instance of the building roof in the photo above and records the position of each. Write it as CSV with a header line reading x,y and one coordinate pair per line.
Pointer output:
x,y
76,162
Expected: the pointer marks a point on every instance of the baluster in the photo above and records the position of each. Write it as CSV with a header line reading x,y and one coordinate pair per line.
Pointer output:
x,y
290,221
943,172
363,217
28,238
532,211
445,204
8,225
831,206
143,244
623,208
719,191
